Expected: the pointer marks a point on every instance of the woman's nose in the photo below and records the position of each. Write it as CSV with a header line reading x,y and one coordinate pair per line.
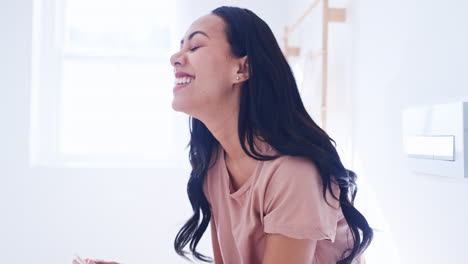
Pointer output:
x,y
177,58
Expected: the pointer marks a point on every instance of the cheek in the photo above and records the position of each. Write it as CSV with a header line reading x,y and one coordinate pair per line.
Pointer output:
x,y
212,72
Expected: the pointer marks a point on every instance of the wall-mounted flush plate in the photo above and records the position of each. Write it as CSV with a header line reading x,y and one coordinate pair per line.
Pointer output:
x,y
435,139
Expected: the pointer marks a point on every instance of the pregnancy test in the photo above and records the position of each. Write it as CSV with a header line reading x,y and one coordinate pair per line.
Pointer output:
x,y
80,260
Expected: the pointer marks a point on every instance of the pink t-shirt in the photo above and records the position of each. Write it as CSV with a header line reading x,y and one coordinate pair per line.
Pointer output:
x,y
282,196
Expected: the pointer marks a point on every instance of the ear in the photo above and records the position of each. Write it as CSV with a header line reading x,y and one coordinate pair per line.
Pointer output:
x,y
243,69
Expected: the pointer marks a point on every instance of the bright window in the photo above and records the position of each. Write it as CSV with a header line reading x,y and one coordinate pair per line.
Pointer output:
x,y
102,85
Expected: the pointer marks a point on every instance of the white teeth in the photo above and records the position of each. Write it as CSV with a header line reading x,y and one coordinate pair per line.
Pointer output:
x,y
185,79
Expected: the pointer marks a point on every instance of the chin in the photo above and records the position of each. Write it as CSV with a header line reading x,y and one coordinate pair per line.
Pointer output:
x,y
175,106
179,106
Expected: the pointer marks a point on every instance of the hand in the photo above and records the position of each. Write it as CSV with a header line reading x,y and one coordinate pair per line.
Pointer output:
x,y
96,261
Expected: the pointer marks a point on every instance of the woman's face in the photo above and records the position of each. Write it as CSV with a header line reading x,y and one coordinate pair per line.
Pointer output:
x,y
205,55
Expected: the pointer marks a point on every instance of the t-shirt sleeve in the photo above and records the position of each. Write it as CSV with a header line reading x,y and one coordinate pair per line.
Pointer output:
x,y
294,205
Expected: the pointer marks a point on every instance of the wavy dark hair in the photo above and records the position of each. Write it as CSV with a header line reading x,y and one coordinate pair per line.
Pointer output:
x,y
271,109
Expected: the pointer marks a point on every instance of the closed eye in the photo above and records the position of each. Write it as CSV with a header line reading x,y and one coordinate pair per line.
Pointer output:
x,y
193,49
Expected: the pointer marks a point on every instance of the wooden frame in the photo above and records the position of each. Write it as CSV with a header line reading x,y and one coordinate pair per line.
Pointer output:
x,y
330,15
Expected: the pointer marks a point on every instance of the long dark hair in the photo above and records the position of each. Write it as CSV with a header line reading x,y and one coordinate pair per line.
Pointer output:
x,y
271,109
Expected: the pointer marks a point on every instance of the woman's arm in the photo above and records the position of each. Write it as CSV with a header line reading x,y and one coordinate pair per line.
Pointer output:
x,y
282,249
214,240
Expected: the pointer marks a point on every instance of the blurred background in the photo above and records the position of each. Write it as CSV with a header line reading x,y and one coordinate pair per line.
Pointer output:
x,y
94,159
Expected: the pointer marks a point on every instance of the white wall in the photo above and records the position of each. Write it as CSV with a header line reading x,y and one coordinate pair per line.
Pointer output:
x,y
403,54
408,53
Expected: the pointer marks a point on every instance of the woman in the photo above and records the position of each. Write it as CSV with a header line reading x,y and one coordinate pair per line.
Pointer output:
x,y
263,173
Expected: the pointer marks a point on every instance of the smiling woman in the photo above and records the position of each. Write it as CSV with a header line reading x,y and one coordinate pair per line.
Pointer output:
x,y
264,174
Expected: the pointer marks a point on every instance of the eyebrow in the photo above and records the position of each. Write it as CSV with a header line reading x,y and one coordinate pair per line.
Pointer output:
x,y
193,34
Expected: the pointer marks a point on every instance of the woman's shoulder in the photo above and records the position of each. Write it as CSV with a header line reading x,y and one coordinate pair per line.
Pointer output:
x,y
296,173
288,164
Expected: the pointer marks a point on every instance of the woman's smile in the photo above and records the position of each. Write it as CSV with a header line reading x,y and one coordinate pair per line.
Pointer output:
x,y
178,87
182,83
